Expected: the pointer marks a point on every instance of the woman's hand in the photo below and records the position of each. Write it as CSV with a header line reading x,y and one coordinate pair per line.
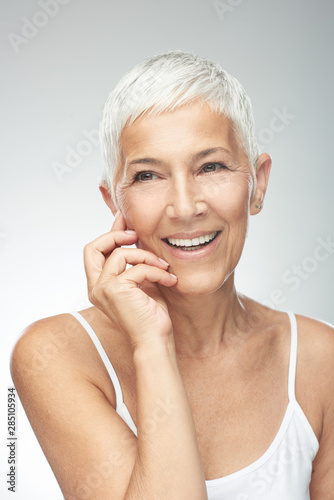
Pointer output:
x,y
129,297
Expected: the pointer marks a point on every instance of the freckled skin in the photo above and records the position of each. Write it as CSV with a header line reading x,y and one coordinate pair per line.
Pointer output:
x,y
180,196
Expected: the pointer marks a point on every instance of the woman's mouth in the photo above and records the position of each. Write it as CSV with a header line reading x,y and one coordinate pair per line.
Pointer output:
x,y
191,244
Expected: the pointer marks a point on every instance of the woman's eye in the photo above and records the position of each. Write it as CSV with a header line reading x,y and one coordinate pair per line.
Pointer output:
x,y
212,167
145,176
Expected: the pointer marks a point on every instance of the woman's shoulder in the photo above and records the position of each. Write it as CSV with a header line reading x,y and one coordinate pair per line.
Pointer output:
x,y
316,347
46,338
315,369
315,338
58,344
314,378
315,335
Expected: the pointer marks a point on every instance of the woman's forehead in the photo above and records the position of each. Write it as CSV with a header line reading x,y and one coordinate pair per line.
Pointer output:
x,y
188,128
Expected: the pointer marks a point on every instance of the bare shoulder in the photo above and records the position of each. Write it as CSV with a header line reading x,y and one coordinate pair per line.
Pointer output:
x,y
46,343
57,344
315,370
48,329
313,325
316,344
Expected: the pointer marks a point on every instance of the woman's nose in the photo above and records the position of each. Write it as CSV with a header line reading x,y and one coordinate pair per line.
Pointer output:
x,y
186,199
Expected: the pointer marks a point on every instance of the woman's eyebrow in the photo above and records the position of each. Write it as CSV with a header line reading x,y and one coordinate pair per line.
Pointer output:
x,y
147,160
206,152
197,156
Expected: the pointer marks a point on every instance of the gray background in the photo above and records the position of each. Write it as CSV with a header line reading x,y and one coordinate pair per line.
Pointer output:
x,y
55,80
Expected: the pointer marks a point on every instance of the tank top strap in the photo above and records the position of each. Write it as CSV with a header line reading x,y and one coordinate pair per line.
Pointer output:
x,y
293,357
105,359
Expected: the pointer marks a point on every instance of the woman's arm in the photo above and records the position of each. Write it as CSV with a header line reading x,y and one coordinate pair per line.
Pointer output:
x,y
90,449
322,482
321,359
168,463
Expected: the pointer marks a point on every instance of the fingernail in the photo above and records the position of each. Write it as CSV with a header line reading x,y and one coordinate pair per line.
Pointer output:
x,y
130,231
163,261
173,275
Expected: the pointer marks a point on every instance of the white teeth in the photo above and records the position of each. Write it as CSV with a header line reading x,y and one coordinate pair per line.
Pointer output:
x,y
193,242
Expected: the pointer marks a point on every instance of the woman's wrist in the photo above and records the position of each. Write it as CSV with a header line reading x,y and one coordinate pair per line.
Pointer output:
x,y
154,349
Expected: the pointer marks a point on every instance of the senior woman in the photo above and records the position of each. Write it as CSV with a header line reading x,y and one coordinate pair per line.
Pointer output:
x,y
174,385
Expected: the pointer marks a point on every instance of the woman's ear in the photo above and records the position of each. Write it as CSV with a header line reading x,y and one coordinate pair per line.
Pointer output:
x,y
263,167
105,191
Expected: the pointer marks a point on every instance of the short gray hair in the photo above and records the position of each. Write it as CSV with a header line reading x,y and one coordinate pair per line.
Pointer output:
x,y
163,83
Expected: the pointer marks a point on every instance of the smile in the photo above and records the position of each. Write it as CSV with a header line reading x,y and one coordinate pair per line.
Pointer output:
x,y
191,244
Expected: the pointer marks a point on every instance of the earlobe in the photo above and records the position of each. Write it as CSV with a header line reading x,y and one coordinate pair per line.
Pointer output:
x,y
262,177
105,191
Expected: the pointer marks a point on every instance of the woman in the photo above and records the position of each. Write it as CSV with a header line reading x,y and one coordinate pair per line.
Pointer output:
x,y
192,391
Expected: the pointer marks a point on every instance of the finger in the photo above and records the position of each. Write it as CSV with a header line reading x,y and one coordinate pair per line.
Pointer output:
x,y
117,262
95,252
119,222
107,242
136,275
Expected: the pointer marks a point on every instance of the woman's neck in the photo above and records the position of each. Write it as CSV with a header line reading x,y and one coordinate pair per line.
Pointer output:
x,y
204,324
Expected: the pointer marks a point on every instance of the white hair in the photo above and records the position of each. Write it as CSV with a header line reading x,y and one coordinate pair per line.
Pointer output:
x,y
163,83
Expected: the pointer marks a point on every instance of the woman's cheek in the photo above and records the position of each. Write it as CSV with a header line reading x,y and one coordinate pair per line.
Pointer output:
x,y
139,213
128,204
229,198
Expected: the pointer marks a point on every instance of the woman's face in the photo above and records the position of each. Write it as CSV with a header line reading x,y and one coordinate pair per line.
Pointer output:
x,y
186,191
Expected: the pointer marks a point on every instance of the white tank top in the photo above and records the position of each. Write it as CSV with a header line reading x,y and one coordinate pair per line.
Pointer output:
x,y
283,472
